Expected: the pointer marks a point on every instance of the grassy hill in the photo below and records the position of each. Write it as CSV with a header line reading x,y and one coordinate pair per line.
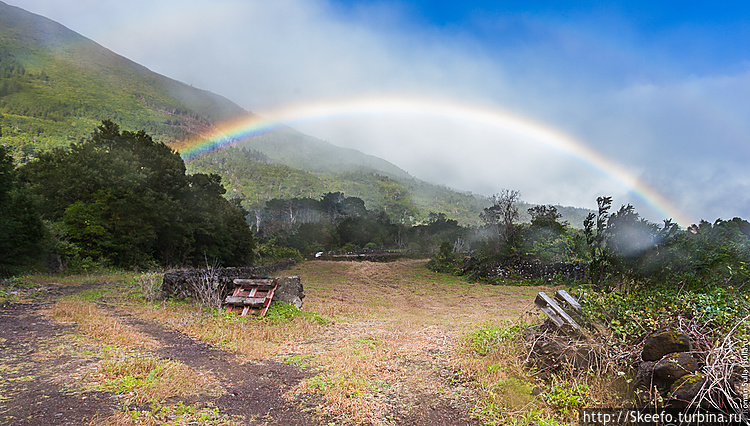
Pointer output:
x,y
56,87
253,177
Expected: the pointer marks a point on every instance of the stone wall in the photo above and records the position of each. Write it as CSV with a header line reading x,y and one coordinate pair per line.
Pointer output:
x,y
177,284
574,271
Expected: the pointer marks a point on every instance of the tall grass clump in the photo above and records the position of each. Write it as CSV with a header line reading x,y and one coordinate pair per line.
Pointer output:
x,y
149,283
206,287
146,378
97,324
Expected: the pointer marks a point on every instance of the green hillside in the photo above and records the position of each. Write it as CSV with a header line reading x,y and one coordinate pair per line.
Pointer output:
x,y
56,87
251,176
295,149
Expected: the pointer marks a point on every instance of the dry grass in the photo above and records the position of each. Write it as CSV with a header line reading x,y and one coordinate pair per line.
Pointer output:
x,y
254,339
495,356
397,324
406,292
150,285
76,280
174,414
251,338
95,322
726,360
396,337
145,378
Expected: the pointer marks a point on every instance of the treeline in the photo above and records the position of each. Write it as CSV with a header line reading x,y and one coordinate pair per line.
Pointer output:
x,y
258,179
619,247
121,199
338,222
625,247
117,199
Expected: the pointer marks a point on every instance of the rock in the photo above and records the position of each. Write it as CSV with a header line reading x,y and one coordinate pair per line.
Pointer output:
x,y
672,367
685,389
177,284
289,291
551,355
546,355
665,342
644,376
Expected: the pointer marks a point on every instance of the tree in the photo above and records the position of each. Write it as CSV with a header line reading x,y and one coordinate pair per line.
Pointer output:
x,y
594,228
544,236
502,216
629,235
22,232
123,199
547,217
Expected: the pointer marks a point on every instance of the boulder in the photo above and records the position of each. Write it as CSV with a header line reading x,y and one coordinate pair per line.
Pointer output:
x,y
558,353
665,342
685,389
643,384
581,358
289,291
673,366
546,354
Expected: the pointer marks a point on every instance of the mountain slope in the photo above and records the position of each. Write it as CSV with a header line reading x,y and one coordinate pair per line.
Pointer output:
x,y
252,178
295,149
56,87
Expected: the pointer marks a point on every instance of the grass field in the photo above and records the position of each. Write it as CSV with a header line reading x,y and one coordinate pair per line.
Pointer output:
x,y
378,343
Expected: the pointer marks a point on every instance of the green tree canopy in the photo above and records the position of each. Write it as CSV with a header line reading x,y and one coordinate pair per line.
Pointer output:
x,y
21,229
123,199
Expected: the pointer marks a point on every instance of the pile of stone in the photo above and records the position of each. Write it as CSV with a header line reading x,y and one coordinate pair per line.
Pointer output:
x,y
672,372
556,353
670,376
669,373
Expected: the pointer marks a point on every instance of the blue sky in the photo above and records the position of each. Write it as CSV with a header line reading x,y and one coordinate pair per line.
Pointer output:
x,y
660,88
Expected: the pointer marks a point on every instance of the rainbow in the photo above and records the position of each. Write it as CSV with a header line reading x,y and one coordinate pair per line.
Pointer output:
x,y
491,117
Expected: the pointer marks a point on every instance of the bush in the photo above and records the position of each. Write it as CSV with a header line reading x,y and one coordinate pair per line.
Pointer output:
x,y
642,309
271,252
445,259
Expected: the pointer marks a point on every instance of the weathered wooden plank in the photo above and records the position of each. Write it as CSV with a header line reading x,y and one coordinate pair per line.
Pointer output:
x,y
552,315
562,295
269,297
245,301
259,283
560,317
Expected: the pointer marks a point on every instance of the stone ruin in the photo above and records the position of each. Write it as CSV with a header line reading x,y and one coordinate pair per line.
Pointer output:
x,y
177,284
670,372
670,375
534,269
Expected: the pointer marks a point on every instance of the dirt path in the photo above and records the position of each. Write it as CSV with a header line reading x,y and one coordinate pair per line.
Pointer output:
x,y
29,393
253,391
36,386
